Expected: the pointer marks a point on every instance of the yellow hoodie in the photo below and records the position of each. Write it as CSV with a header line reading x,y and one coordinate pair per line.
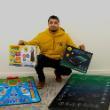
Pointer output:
x,y
52,45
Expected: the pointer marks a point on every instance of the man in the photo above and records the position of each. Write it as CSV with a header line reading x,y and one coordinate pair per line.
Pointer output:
x,y
52,43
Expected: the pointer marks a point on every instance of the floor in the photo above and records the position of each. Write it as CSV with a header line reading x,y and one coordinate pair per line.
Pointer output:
x,y
50,90
47,94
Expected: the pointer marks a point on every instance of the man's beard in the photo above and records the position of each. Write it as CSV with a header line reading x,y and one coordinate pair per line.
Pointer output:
x,y
53,30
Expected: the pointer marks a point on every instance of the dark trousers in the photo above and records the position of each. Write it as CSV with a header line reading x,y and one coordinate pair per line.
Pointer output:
x,y
43,61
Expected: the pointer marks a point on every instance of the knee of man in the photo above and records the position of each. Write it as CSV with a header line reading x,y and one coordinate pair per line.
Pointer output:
x,y
68,71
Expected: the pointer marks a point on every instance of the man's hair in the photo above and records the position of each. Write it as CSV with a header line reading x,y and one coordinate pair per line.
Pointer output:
x,y
53,17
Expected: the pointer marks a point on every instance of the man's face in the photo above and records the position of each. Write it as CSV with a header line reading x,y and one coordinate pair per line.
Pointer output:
x,y
53,25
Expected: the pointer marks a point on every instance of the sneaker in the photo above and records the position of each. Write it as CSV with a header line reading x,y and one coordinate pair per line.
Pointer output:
x,y
58,79
40,85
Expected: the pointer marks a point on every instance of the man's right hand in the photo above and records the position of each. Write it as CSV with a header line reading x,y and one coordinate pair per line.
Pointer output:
x,y
21,42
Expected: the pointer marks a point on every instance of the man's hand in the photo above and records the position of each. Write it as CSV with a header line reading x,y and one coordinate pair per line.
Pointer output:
x,y
82,47
21,42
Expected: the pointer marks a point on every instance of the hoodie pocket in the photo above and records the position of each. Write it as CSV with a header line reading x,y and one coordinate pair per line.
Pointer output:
x,y
46,45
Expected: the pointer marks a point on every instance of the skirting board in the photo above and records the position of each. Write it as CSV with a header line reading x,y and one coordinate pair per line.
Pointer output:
x,y
47,72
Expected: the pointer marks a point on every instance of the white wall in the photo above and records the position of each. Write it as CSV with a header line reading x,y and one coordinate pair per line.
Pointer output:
x,y
87,21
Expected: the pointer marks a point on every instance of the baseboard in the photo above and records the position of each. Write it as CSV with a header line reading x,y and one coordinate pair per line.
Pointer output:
x,y
103,71
47,71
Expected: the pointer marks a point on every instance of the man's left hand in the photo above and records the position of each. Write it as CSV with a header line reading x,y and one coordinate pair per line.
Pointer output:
x,y
82,47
